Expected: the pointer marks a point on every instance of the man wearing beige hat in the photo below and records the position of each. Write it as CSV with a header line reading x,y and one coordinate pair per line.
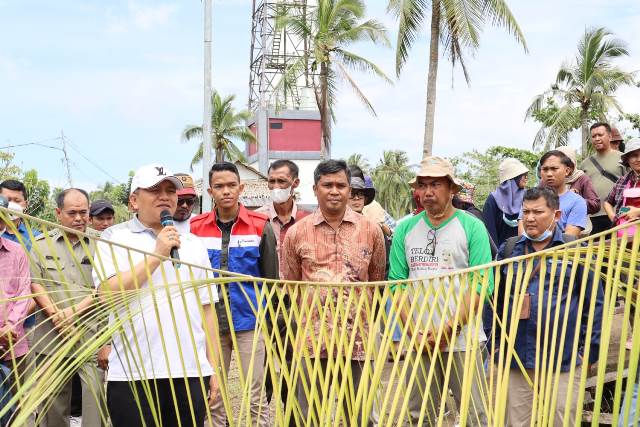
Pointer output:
x,y
441,240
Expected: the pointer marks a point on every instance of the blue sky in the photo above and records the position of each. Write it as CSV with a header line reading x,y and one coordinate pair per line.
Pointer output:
x,y
122,78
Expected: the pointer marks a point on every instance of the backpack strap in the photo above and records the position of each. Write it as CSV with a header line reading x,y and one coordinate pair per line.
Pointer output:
x,y
509,244
611,177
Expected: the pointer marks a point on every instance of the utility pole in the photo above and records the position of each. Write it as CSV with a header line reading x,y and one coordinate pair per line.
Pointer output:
x,y
206,126
66,158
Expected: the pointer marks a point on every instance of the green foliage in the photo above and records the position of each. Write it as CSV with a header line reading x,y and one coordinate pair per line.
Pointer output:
x,y
584,91
227,126
481,169
330,27
632,118
360,161
38,191
7,168
118,195
391,176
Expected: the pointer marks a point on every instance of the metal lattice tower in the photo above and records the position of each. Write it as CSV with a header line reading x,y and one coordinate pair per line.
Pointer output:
x,y
273,52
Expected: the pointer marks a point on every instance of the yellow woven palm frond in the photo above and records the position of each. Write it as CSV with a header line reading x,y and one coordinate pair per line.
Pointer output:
x,y
353,352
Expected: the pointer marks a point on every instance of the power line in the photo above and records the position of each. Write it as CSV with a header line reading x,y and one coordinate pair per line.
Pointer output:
x,y
95,165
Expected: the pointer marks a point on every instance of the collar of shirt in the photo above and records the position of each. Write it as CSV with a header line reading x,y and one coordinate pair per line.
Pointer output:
x,y
349,215
556,239
3,246
243,216
273,215
136,226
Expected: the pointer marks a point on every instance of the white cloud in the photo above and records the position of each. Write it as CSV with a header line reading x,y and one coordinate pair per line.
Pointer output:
x,y
141,17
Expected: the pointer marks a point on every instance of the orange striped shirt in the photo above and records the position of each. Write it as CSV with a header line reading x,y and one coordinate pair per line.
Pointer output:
x,y
313,251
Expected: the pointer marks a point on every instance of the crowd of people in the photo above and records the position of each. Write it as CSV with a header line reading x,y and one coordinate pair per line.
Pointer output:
x,y
348,238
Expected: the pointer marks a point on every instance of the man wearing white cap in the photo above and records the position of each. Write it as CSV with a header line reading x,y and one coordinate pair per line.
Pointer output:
x,y
161,361
441,240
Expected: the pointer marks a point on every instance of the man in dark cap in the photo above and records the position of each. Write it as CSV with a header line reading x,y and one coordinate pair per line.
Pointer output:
x,y
101,215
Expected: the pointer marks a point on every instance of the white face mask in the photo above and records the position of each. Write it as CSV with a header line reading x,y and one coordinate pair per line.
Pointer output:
x,y
280,195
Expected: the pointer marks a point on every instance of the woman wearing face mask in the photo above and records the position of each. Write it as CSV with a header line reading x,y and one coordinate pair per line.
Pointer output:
x,y
555,168
503,205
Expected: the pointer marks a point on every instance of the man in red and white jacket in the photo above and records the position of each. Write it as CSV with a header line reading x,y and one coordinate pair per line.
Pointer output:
x,y
238,240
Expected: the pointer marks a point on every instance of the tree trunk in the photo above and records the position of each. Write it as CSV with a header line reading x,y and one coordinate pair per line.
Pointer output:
x,y
584,124
325,114
432,78
219,154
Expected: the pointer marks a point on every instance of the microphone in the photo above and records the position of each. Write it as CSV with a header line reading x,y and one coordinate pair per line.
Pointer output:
x,y
166,219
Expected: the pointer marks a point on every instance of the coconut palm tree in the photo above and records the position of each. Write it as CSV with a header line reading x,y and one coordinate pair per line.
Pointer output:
x,y
391,177
227,125
456,24
360,161
583,89
330,27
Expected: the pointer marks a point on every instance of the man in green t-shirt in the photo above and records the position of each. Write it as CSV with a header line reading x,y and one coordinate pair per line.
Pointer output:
x,y
442,240
604,169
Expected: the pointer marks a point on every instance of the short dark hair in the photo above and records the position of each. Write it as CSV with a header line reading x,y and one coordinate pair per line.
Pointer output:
x,y
293,168
14,185
63,194
564,159
327,167
222,167
607,126
356,171
550,197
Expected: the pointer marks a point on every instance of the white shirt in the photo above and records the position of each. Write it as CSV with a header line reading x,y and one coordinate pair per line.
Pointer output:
x,y
148,317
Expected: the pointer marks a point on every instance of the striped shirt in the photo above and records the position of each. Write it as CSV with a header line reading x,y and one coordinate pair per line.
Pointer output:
x,y
314,251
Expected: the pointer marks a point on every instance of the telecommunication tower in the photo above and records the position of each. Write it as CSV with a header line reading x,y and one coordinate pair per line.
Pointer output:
x,y
285,120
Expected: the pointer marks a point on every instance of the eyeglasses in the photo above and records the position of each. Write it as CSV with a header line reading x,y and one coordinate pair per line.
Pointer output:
x,y
189,202
431,242
356,195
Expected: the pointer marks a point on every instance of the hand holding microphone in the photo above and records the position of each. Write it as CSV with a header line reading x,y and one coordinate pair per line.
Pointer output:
x,y
168,240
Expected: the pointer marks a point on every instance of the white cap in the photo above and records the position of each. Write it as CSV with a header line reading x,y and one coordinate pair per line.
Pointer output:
x,y
511,168
151,175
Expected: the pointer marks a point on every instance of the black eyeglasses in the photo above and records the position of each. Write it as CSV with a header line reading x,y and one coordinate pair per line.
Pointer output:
x,y
189,202
431,242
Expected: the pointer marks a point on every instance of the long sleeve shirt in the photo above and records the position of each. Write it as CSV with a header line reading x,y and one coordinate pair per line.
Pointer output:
x,y
556,295
15,282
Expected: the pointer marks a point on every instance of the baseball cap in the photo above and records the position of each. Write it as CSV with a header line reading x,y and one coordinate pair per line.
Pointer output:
x,y
151,175
99,206
188,188
435,167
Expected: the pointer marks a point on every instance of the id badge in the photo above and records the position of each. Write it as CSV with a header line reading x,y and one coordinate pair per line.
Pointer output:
x,y
526,307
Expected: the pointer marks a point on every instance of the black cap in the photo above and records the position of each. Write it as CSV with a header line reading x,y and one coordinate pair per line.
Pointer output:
x,y
99,206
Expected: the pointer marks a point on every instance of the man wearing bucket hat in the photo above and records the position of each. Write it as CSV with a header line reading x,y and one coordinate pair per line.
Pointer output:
x,y
503,205
440,240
